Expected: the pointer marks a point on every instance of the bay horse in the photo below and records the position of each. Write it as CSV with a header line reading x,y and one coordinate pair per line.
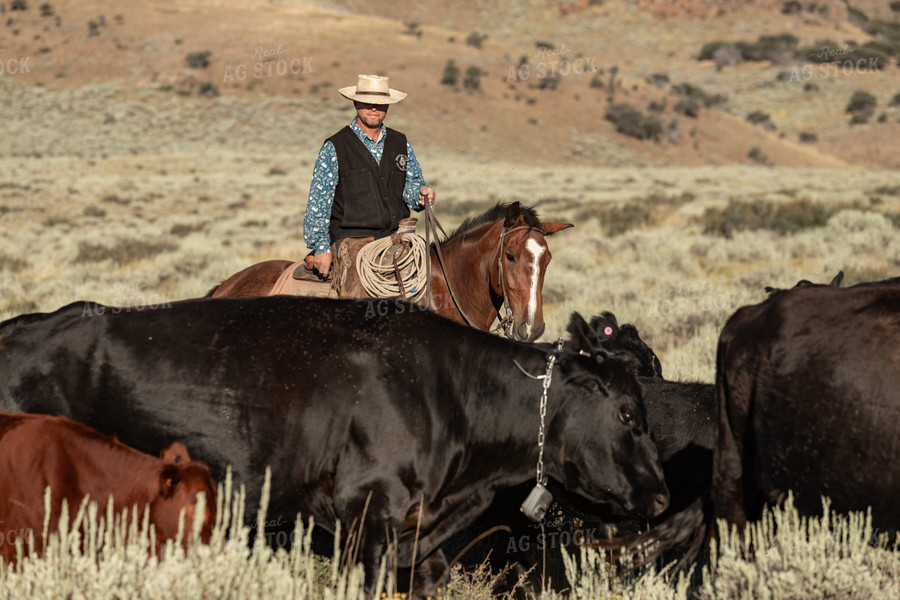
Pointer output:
x,y
494,260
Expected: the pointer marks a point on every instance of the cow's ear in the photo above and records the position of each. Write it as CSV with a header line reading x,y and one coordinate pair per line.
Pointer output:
x,y
513,214
604,325
580,334
168,479
836,282
551,228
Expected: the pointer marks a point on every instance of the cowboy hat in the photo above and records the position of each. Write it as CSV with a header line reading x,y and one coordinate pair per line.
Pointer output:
x,y
373,89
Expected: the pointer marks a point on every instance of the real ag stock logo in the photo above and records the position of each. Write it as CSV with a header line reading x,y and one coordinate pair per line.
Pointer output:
x,y
550,63
833,62
14,66
268,64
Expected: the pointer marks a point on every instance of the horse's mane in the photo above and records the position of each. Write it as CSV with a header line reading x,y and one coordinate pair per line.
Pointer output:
x,y
497,213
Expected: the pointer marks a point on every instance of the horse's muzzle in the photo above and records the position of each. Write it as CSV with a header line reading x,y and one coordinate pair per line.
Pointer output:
x,y
526,332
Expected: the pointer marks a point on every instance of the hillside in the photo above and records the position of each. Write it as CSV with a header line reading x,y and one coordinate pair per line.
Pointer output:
x,y
299,53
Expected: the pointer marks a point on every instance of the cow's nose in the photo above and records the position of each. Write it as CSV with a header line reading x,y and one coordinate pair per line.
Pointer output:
x,y
658,505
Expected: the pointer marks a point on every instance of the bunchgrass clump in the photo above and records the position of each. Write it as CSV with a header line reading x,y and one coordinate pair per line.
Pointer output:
x,y
123,252
783,218
88,558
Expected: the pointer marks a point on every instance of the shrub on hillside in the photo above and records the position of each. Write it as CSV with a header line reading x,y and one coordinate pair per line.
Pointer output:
x,y
473,78
451,74
756,156
18,5
660,80
198,60
476,39
758,117
767,47
631,121
861,107
808,137
792,8
696,93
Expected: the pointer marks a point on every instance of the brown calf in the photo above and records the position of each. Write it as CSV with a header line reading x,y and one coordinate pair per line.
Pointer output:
x,y
37,451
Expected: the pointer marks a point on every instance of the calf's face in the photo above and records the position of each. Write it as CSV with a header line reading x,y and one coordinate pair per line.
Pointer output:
x,y
179,486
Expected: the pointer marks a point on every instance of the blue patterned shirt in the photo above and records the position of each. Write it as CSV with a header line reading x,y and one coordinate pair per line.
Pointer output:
x,y
325,180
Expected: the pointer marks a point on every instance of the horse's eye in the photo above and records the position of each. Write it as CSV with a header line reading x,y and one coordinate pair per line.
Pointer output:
x,y
626,416
510,257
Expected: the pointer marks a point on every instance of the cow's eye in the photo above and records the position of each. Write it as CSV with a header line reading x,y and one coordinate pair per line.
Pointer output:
x,y
510,257
626,416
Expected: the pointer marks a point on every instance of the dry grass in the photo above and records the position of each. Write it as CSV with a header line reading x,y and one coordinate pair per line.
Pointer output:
x,y
167,223
102,555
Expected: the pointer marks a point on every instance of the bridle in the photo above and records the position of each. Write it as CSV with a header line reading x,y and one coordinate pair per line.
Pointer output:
x,y
432,224
507,323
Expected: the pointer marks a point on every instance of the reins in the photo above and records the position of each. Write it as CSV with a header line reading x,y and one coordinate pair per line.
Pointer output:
x,y
432,224
506,323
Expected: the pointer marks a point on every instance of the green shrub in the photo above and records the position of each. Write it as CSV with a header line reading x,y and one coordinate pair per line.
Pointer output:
x,y
660,80
782,218
198,60
756,156
451,74
693,92
635,213
767,47
473,78
123,252
808,137
632,122
758,117
861,107
689,107
475,39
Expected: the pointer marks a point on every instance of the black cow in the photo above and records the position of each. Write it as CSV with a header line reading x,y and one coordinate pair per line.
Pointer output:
x,y
808,392
409,421
808,385
605,335
682,419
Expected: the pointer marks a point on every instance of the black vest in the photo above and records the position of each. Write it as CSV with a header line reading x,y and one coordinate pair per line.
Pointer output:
x,y
368,201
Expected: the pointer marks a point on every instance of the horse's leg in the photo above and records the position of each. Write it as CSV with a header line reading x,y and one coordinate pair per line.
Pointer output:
x,y
255,280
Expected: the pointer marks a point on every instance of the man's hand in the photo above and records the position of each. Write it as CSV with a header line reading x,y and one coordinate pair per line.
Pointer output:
x,y
426,193
322,263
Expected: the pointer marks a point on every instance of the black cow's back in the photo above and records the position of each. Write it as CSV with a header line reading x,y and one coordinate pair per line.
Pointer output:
x,y
809,392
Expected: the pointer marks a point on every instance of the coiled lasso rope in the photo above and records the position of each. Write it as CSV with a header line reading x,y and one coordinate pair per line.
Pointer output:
x,y
375,265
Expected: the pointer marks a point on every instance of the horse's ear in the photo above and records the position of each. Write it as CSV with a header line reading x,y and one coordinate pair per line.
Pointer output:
x,y
513,214
551,228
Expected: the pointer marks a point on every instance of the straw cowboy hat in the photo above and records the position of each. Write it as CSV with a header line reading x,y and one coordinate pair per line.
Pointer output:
x,y
373,89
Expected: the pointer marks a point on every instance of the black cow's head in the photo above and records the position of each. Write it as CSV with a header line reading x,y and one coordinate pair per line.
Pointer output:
x,y
603,448
604,336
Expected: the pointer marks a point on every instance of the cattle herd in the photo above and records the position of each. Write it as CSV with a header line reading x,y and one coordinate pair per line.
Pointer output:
x,y
424,432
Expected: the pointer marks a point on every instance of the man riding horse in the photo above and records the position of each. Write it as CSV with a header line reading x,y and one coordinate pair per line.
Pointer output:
x,y
366,177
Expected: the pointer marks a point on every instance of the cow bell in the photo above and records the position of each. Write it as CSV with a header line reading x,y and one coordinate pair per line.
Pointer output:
x,y
537,503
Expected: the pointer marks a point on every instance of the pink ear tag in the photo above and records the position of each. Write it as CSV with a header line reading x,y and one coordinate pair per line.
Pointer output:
x,y
608,330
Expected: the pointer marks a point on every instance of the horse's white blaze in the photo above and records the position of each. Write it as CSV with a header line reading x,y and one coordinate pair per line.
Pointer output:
x,y
537,250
